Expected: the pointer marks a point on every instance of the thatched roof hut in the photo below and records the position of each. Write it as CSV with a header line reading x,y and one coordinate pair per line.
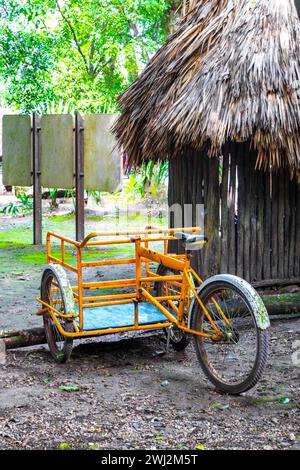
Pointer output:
x,y
230,72
221,101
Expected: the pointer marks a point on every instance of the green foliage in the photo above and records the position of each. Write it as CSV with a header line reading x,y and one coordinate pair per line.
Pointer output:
x,y
53,198
56,107
64,446
83,51
24,205
27,55
148,180
25,202
133,188
11,208
70,193
96,195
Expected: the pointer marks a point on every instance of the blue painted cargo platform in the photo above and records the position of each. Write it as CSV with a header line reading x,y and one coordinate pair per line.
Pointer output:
x,y
117,316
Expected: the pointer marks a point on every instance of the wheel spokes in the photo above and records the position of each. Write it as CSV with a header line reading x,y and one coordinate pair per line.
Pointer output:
x,y
232,358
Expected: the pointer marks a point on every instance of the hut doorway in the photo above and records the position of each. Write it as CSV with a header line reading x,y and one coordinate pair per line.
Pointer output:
x,y
252,217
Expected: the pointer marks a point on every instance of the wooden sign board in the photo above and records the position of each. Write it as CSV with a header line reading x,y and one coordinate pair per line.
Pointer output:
x,y
102,160
57,151
17,161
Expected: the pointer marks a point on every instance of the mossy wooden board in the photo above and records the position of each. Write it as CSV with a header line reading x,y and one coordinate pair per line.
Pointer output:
x,y
17,161
102,161
57,151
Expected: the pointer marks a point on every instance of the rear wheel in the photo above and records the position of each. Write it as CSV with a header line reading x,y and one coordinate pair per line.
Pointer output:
x,y
52,292
178,338
236,361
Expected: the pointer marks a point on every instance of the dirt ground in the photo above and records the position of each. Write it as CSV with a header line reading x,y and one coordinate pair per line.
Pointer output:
x,y
127,396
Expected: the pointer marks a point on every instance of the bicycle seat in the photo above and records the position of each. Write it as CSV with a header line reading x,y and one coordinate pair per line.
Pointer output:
x,y
190,240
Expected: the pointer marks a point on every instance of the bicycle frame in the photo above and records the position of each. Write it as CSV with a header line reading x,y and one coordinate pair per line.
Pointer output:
x,y
142,283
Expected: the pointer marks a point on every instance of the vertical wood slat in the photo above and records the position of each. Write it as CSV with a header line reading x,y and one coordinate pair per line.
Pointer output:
x,y
184,193
253,176
286,224
274,225
212,249
266,271
280,231
224,210
172,194
297,237
189,180
205,266
266,244
247,216
194,187
199,199
232,212
241,211
292,202
260,245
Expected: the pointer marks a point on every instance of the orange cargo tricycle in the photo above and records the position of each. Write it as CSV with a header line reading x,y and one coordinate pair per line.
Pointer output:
x,y
224,315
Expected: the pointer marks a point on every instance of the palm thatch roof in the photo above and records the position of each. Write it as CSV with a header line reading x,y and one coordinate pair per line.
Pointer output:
x,y
231,72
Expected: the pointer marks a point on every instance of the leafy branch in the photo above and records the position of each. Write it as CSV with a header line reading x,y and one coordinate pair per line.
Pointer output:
x,y
71,28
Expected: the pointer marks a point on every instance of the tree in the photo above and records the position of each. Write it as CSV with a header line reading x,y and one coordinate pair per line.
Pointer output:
x,y
86,51
26,57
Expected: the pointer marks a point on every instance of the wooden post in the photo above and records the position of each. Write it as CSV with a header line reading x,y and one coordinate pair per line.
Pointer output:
x,y
79,172
36,175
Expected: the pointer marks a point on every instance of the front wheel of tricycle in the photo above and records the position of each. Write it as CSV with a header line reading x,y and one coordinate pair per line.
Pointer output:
x,y
53,293
235,361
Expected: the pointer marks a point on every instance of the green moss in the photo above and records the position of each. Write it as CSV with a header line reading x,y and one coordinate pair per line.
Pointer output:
x,y
281,298
15,237
32,258
95,219
61,218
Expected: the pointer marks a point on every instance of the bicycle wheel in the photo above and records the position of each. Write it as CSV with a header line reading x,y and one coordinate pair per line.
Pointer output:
x,y
236,361
178,338
53,293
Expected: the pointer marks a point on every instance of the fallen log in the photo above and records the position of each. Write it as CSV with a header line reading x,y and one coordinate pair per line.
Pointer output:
x,y
282,304
286,305
279,304
276,282
22,338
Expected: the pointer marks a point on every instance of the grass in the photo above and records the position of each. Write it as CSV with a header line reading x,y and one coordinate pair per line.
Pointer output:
x,y
17,252
61,218
16,249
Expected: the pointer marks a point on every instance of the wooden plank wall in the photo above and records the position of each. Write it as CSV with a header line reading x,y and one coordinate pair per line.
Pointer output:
x,y
252,218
